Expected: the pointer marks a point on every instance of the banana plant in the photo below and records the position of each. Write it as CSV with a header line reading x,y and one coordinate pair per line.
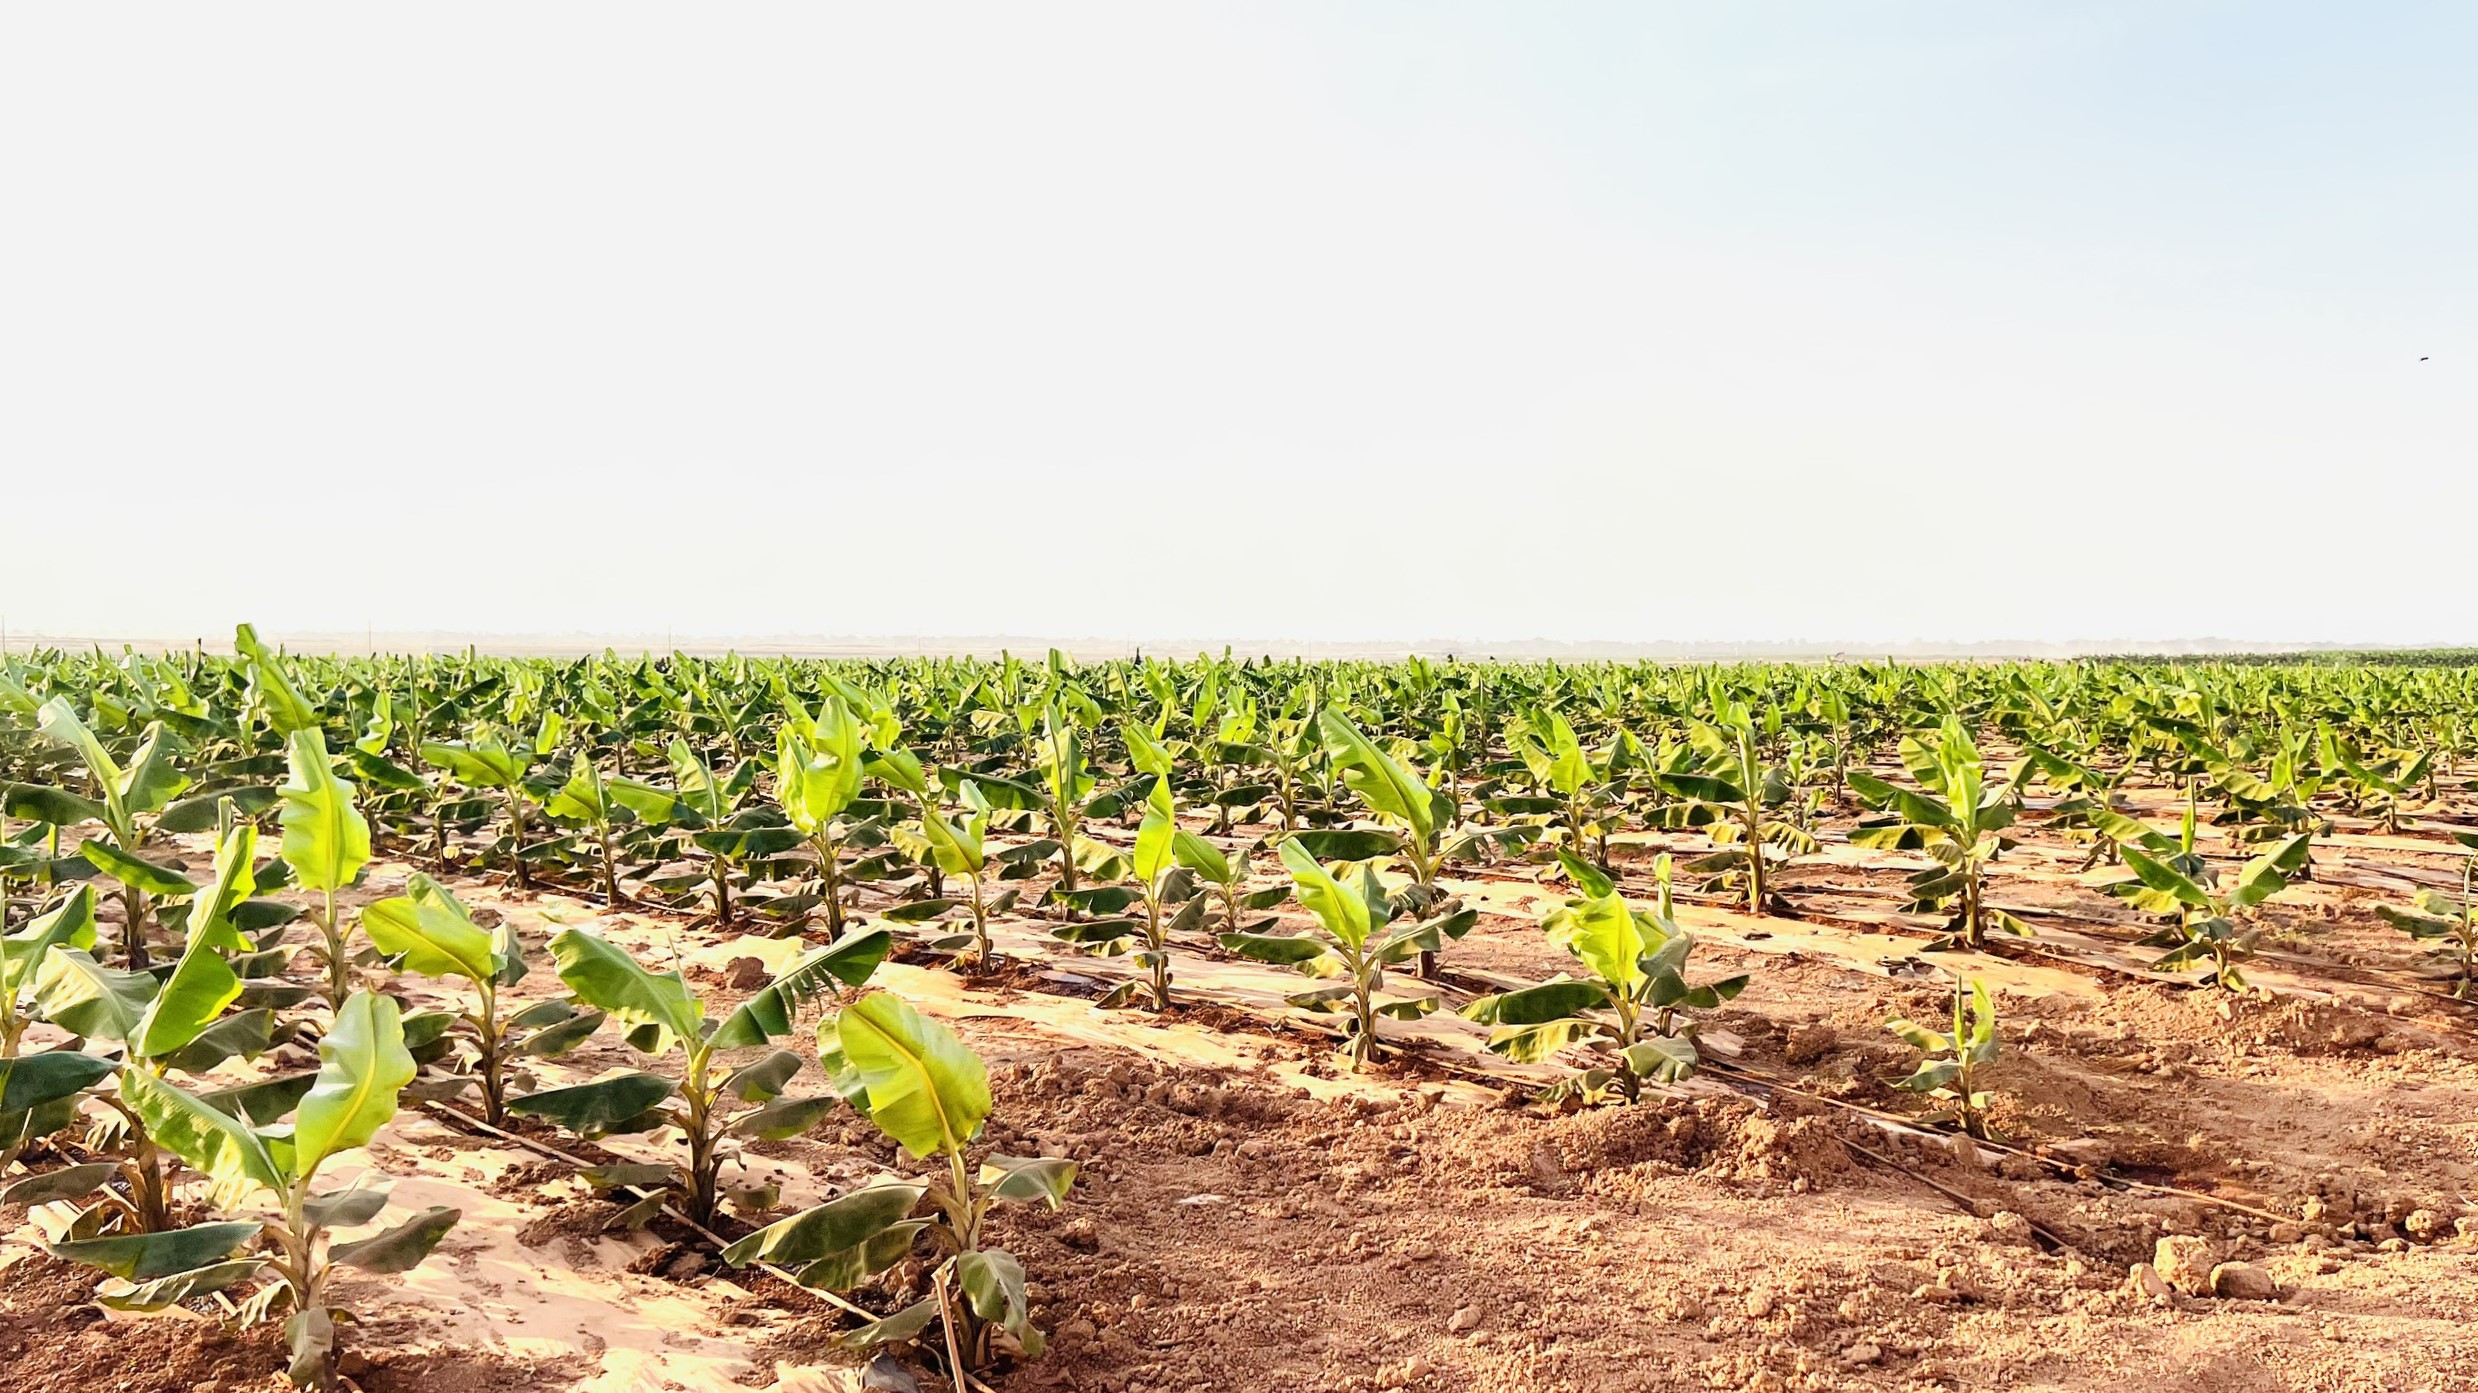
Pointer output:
x,y
1225,875
1066,785
71,923
1630,1005
1557,761
602,806
1396,794
1957,817
904,770
717,1106
2208,930
326,843
928,1092
819,766
1950,1063
731,836
1746,796
1159,880
427,930
488,762
2378,785
38,1092
2449,921
159,1023
1358,943
290,1243
132,799
960,848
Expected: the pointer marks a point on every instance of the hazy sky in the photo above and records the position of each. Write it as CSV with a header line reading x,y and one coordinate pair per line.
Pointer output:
x,y
1624,321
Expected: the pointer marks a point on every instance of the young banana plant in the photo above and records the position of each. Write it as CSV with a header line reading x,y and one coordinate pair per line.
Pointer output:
x,y
1628,1007
1957,817
603,806
488,762
716,1105
818,770
1225,874
960,847
427,930
160,1024
731,836
2208,931
363,1063
2450,922
1159,878
1949,1069
1066,783
2378,786
1747,797
1557,761
326,843
928,1092
1397,795
132,799
1358,943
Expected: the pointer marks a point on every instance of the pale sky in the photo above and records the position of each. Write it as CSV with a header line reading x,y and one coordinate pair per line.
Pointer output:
x,y
1329,321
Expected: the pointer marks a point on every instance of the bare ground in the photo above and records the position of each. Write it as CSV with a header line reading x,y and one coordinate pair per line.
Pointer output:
x,y
1250,1216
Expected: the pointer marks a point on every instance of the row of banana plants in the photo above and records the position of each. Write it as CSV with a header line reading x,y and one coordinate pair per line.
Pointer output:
x,y
906,786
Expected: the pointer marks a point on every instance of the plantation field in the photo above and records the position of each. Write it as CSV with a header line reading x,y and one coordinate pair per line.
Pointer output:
x,y
447,1023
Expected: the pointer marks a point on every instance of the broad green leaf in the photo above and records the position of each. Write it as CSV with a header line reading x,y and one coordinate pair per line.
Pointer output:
x,y
832,1227
2165,879
216,1145
31,1080
136,872
993,1281
1044,1178
1281,949
326,839
235,881
66,1183
1550,1001
362,1066
53,806
179,1286
1603,933
400,1248
1347,843
1345,911
763,1079
201,986
926,1090
784,1118
902,1327
604,976
1384,785
1152,854
429,929
270,688
345,1209
69,925
2268,874
263,1102
86,998
591,1109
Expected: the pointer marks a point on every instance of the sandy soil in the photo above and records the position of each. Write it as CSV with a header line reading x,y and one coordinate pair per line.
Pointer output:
x,y
1250,1216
